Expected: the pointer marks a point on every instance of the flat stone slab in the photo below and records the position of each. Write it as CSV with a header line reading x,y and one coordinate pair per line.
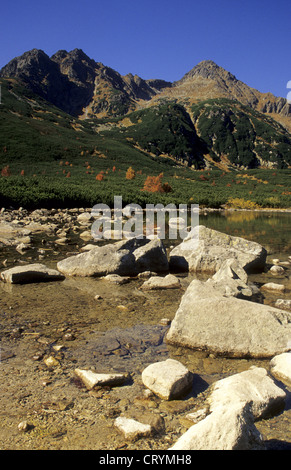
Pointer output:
x,y
132,429
92,379
30,273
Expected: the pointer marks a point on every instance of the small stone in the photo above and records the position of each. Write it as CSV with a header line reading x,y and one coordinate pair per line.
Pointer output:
x,y
116,279
61,241
277,270
58,347
69,337
86,235
132,429
23,426
197,416
271,286
51,361
283,303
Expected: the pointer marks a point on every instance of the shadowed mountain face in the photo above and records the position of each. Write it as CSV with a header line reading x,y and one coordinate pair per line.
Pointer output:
x,y
77,84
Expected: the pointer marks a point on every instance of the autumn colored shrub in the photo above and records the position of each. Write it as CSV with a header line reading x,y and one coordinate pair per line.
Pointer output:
x,y
6,171
130,174
100,176
154,184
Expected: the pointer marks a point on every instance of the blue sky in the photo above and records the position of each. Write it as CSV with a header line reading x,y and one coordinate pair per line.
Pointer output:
x,y
159,38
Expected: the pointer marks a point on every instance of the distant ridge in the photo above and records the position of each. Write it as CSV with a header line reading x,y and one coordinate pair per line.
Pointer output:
x,y
206,119
83,87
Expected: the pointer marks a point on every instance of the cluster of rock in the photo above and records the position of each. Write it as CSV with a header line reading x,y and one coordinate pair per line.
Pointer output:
x,y
227,418
233,406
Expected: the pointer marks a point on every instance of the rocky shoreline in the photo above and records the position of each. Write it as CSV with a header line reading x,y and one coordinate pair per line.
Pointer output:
x,y
48,403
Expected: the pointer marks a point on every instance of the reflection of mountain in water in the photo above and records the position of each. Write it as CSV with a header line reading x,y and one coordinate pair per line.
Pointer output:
x,y
270,229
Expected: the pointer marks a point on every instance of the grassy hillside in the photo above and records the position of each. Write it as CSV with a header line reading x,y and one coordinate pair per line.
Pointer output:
x,y
50,159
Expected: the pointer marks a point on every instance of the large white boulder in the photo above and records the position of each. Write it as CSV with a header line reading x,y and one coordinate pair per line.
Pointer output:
x,y
228,429
128,257
253,387
234,404
211,317
204,250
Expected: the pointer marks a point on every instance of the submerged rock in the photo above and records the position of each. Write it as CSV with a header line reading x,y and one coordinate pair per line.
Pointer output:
x,y
204,250
156,282
273,287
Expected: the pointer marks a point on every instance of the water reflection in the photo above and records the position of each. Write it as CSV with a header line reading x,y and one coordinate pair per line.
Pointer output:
x,y
270,229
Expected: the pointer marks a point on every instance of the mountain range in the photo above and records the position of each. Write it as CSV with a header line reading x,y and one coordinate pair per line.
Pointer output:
x,y
207,118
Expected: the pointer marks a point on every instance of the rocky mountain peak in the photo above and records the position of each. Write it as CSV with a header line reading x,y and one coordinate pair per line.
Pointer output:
x,y
208,69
